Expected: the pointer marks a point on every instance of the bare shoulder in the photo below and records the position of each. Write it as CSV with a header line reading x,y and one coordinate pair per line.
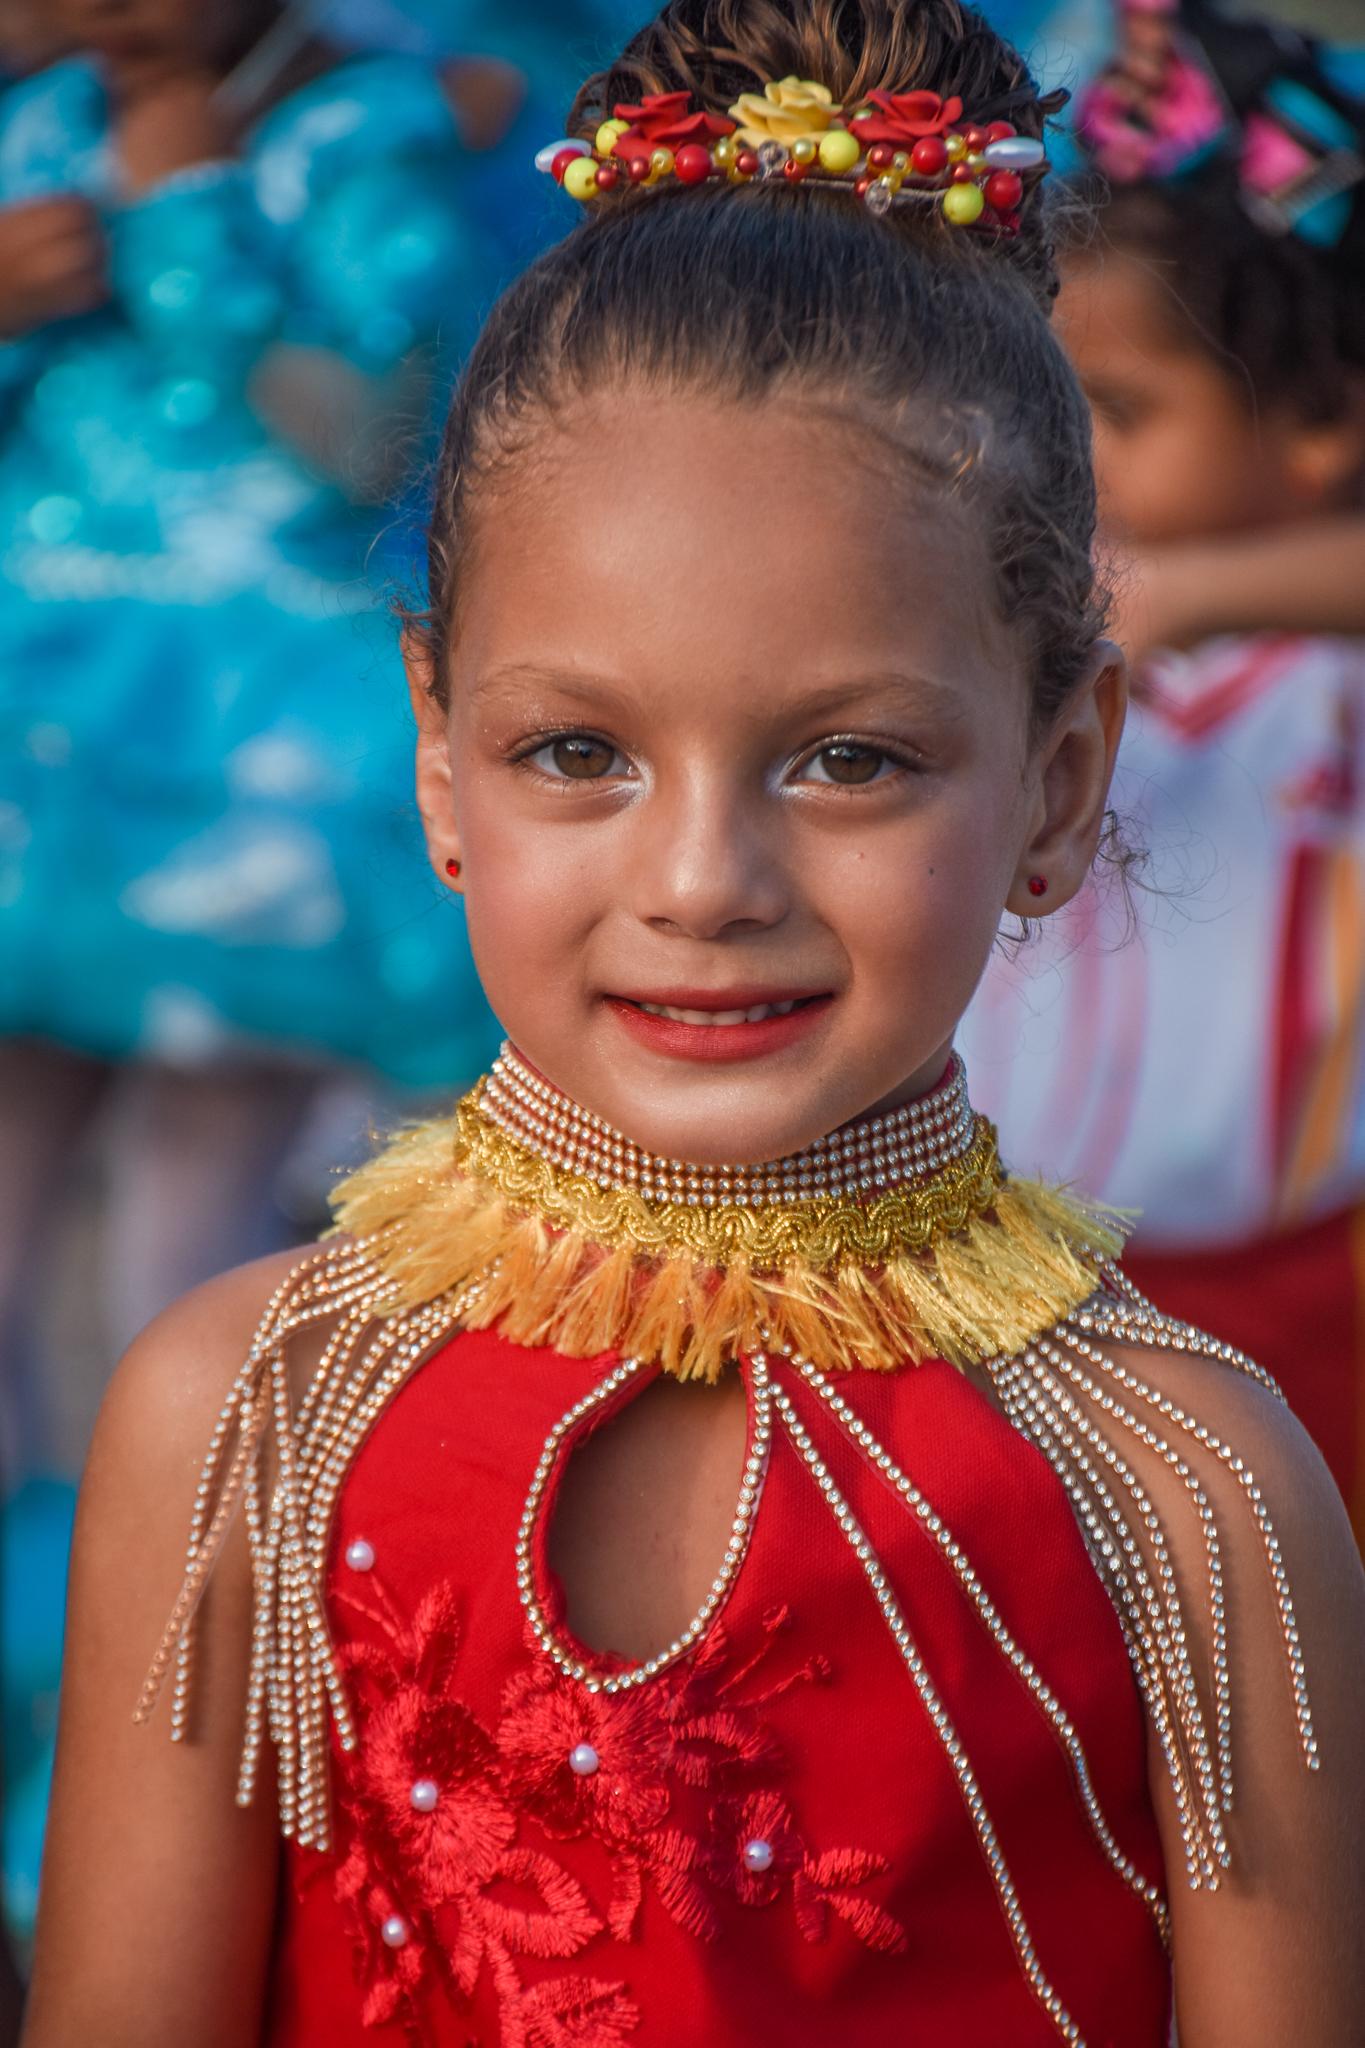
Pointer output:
x,y
182,1365
1271,1587
158,1890
1240,1438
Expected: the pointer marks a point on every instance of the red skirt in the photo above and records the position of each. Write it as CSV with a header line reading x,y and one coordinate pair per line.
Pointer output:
x,y
1296,1304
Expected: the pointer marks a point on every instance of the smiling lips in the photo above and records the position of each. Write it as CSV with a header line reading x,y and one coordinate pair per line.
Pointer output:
x,y
720,1024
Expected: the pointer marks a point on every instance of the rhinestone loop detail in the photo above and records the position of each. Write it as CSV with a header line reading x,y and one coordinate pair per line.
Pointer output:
x,y
750,1491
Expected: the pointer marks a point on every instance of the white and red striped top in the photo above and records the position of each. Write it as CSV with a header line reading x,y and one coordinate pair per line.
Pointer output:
x,y
1207,1068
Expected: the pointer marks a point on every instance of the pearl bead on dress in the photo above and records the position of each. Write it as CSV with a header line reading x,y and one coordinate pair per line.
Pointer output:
x,y
395,1930
424,1795
360,1555
584,1760
758,1855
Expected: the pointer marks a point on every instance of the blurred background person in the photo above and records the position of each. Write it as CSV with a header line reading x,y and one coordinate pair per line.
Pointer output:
x,y
232,259
238,266
1217,318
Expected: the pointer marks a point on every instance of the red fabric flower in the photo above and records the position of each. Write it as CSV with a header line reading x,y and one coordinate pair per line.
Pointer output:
x,y
663,121
903,117
684,1783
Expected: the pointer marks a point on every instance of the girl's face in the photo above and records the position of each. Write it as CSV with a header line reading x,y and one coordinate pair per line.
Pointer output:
x,y
733,728
1180,449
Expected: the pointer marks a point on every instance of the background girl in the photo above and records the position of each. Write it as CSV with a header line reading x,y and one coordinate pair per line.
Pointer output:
x,y
659,1599
1216,1065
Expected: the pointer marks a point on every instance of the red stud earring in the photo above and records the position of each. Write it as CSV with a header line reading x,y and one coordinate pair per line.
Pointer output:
x,y
1037,885
452,869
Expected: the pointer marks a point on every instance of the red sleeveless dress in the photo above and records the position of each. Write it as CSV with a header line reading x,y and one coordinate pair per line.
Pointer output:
x,y
849,1813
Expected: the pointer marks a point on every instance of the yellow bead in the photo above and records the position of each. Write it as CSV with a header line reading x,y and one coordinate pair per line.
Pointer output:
x,y
723,151
900,162
839,151
962,204
580,178
803,149
606,136
975,160
956,147
660,163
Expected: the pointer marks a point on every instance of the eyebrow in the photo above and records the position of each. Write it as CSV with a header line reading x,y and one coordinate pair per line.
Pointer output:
x,y
587,689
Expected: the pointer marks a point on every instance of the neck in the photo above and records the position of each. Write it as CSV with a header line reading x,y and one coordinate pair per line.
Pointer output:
x,y
861,1159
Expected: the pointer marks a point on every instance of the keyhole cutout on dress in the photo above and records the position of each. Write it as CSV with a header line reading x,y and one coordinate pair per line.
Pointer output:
x,y
644,1511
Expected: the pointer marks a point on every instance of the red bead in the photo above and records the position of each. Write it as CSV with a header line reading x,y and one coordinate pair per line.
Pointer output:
x,y
1004,190
1037,885
860,186
693,163
560,161
608,177
793,170
963,174
746,163
637,169
452,868
998,130
975,138
928,156
880,156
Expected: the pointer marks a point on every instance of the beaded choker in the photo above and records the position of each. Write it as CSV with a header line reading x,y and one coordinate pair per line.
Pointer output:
x,y
895,1239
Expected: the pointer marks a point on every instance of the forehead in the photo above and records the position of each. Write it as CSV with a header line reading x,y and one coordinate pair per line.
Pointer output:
x,y
1117,315
671,536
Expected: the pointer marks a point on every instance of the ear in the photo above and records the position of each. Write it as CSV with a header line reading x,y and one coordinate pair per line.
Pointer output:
x,y
435,792
1323,462
1070,778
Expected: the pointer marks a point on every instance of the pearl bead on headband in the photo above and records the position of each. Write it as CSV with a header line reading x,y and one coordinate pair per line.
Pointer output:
x,y
906,147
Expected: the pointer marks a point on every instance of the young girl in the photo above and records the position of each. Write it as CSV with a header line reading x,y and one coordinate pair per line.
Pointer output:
x,y
708,1555
1215,1064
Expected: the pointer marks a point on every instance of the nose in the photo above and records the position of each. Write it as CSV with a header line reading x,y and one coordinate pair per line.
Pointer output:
x,y
710,859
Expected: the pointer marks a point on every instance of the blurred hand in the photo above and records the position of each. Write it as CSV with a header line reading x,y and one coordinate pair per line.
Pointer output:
x,y
51,263
166,123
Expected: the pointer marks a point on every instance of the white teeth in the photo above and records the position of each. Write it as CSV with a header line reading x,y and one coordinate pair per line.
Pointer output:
x,y
754,1015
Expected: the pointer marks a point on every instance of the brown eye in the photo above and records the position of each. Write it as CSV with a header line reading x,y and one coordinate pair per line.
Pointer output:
x,y
581,757
848,764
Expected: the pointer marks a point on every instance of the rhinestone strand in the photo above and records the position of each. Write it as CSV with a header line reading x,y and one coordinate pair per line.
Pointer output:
x,y
1119,1562
1051,1706
1148,1328
940,1720
1169,1619
1122,1414
893,1150
750,1492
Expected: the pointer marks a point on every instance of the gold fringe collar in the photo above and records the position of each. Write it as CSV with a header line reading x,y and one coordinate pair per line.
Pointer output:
x,y
965,1264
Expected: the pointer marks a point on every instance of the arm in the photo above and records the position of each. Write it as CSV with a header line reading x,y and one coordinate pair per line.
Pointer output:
x,y
158,1893
1275,1954
321,314
1293,579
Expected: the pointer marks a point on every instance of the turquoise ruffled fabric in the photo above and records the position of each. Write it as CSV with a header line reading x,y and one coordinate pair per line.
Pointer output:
x,y
207,836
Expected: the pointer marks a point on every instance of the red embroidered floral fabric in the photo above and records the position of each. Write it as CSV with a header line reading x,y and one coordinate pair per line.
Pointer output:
x,y
688,1777
774,1843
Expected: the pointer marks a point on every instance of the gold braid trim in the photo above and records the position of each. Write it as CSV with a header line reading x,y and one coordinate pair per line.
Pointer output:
x,y
966,1265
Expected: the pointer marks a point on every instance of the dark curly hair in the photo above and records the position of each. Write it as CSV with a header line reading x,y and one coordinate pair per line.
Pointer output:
x,y
1282,312
746,291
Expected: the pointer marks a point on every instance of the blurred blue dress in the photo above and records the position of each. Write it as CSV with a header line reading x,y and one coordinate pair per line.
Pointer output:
x,y
208,844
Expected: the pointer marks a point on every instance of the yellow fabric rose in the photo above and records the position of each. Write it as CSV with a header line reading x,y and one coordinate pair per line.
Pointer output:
x,y
784,111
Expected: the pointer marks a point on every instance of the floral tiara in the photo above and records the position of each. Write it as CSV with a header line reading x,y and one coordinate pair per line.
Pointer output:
x,y
891,148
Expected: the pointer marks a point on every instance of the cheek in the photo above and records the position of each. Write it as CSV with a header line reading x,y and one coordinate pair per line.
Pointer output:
x,y
531,895
917,912
1188,473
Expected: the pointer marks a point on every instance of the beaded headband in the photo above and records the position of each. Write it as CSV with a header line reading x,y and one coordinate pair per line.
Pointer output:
x,y
892,148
